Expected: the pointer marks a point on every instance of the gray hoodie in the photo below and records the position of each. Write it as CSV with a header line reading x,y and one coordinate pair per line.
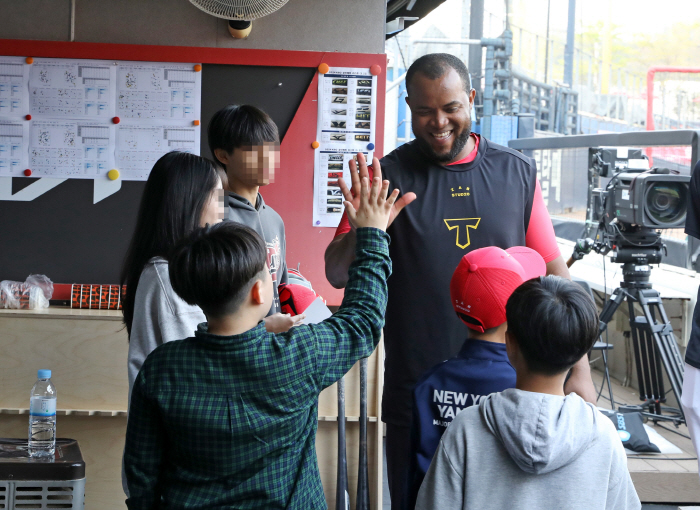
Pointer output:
x,y
524,450
269,225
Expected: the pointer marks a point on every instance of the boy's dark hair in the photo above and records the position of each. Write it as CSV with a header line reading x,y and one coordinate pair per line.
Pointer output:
x,y
435,65
554,322
236,126
215,267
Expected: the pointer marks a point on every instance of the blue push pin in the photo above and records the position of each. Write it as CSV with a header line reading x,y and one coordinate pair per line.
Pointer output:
x,y
370,146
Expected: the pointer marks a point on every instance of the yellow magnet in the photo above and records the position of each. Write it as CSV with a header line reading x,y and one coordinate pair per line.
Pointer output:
x,y
113,174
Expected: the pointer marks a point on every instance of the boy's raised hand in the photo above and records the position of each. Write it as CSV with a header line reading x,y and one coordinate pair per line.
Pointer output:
x,y
352,194
374,208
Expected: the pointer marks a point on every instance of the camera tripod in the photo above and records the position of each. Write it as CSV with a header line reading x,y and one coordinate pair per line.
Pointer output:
x,y
653,342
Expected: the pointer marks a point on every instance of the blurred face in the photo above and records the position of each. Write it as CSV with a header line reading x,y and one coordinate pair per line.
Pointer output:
x,y
213,211
256,165
441,115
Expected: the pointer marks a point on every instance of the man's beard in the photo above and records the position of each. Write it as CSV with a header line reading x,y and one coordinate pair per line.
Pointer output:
x,y
457,147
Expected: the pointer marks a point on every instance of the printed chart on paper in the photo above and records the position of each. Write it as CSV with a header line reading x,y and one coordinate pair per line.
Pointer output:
x,y
347,100
72,104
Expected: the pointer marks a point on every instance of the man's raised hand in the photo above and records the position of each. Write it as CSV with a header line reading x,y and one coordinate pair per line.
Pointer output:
x,y
352,195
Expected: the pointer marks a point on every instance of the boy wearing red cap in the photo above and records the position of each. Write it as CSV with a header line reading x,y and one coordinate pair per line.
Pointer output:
x,y
480,288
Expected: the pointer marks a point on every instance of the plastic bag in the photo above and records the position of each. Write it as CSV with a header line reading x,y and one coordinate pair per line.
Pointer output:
x,y
32,294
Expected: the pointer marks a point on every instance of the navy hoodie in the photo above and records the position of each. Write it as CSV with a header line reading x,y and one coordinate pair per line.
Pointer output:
x,y
480,368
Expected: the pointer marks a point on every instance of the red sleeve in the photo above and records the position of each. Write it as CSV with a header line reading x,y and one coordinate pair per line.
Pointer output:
x,y
344,225
540,232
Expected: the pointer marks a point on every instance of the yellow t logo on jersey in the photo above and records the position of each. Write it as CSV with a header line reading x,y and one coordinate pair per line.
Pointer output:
x,y
457,224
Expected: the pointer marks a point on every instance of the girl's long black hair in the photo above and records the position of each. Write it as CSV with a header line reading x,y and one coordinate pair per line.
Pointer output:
x,y
177,189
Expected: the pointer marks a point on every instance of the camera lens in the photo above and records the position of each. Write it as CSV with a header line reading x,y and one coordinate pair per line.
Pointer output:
x,y
666,202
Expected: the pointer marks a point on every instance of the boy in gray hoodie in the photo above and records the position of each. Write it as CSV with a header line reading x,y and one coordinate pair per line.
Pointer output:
x,y
244,140
532,446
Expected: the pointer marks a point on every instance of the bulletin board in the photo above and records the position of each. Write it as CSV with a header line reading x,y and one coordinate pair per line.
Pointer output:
x,y
64,231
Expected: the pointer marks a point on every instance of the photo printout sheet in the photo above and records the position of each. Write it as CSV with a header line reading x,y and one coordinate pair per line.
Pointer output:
x,y
346,125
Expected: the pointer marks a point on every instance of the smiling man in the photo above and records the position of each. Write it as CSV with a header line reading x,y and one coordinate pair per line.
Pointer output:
x,y
467,193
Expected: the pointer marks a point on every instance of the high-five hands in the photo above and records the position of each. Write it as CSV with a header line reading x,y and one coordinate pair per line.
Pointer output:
x,y
360,181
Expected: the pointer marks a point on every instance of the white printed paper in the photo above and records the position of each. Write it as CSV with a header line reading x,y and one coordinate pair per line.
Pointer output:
x,y
61,88
13,143
139,147
73,103
13,92
158,91
70,149
346,125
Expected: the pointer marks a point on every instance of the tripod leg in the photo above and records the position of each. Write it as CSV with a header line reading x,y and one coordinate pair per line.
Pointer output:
x,y
640,356
665,342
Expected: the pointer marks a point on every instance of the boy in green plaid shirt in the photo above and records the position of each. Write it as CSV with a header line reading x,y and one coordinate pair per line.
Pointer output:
x,y
228,419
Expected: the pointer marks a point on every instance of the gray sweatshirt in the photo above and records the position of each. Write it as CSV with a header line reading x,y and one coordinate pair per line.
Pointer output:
x,y
160,316
523,450
269,225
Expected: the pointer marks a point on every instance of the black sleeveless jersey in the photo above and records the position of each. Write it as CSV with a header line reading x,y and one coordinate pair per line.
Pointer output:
x,y
459,208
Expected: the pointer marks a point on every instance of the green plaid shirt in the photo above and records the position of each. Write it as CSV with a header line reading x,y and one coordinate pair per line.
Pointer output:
x,y
230,422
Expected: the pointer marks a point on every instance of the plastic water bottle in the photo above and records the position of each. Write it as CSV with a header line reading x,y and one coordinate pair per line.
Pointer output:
x,y
42,416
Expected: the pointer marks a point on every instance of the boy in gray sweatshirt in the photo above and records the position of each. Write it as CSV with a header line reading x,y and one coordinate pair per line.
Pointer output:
x,y
532,446
244,140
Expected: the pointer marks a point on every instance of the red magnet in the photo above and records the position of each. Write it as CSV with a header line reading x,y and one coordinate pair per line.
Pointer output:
x,y
27,117
27,172
29,60
323,68
116,120
375,70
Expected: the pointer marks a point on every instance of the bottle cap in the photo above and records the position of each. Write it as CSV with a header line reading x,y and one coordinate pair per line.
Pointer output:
x,y
44,374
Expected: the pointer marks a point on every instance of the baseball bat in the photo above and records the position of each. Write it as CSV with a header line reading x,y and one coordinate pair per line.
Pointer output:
x,y
342,498
362,502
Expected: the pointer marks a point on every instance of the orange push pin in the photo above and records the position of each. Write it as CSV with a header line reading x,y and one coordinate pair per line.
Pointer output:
x,y
27,117
113,174
195,122
27,172
323,68
375,70
197,68
29,60
315,145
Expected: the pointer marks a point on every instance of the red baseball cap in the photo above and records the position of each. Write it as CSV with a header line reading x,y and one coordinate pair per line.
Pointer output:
x,y
485,279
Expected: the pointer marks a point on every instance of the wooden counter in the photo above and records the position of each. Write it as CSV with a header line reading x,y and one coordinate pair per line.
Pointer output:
x,y
86,351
